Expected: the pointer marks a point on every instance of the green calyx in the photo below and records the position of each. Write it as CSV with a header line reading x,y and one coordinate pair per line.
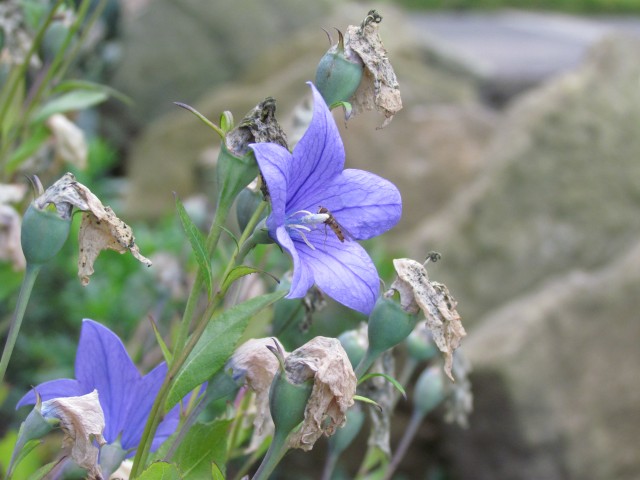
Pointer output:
x,y
288,402
43,234
233,173
339,73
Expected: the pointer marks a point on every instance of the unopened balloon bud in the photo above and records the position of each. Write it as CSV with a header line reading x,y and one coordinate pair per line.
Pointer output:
x,y
43,234
389,324
429,390
287,401
339,73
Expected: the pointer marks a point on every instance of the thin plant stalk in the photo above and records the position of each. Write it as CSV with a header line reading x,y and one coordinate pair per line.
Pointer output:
x,y
28,281
405,442
9,90
215,232
276,451
178,360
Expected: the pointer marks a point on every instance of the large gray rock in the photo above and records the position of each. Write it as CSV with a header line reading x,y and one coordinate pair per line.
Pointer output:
x,y
556,381
559,186
542,253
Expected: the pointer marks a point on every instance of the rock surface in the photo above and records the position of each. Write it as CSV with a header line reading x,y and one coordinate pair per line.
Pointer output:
x,y
542,252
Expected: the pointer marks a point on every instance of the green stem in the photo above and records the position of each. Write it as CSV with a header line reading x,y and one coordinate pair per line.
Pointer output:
x,y
330,465
366,362
247,464
9,91
276,451
405,442
156,413
57,60
23,299
215,231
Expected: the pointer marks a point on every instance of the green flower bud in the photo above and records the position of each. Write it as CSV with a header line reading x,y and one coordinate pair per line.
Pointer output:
x,y
339,73
287,402
388,325
43,234
355,344
429,390
246,204
420,344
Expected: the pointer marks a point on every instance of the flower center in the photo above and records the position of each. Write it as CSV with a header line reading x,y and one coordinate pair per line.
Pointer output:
x,y
304,221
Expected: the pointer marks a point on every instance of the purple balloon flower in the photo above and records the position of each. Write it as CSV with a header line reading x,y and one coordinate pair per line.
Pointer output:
x,y
318,210
126,397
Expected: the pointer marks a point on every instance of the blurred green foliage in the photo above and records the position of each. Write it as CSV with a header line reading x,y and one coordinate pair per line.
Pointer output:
x,y
570,6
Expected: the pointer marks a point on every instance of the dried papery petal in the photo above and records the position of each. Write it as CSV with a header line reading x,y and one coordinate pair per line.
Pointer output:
x,y
102,233
435,301
82,421
324,360
123,472
254,363
379,88
101,229
70,143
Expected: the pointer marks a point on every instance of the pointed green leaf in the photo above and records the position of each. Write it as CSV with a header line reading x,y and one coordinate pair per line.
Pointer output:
x,y
161,471
198,245
202,118
69,85
359,398
216,473
205,445
43,472
392,380
166,354
238,272
216,345
29,147
67,102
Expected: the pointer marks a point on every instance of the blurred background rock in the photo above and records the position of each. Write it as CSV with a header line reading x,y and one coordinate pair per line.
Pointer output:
x,y
529,186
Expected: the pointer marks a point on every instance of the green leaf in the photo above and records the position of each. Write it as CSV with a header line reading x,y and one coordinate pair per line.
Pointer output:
x,y
205,445
30,146
166,354
24,451
362,399
43,471
392,380
68,85
74,100
216,345
202,118
216,473
198,245
161,471
237,272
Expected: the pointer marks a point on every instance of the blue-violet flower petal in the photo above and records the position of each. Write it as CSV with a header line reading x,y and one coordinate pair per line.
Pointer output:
x,y
318,210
